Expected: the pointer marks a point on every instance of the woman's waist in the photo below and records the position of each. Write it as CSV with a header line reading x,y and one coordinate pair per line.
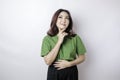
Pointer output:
x,y
53,66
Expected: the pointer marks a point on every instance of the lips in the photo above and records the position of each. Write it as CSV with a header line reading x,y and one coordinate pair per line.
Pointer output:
x,y
63,24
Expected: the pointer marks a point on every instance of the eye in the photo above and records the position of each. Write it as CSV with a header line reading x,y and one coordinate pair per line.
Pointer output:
x,y
59,17
67,18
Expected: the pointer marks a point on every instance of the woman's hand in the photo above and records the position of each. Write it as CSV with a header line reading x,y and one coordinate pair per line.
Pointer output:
x,y
61,64
61,35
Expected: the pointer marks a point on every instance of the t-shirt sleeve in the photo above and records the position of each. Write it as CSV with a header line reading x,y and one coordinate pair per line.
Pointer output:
x,y
80,50
45,49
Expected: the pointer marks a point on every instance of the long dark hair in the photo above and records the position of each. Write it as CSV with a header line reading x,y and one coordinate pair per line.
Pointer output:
x,y
53,28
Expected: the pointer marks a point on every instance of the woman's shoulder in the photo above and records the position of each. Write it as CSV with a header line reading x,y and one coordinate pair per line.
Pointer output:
x,y
76,36
46,37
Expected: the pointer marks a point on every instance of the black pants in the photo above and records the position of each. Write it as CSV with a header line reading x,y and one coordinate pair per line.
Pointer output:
x,y
70,73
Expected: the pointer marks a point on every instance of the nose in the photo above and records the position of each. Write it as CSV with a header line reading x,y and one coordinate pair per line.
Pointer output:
x,y
64,20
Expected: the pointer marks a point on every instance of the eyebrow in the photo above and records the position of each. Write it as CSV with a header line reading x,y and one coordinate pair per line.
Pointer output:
x,y
62,15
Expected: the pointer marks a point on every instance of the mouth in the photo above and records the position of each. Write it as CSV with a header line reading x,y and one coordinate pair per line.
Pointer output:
x,y
63,24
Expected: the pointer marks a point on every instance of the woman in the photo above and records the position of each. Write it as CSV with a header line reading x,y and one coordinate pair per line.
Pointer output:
x,y
62,49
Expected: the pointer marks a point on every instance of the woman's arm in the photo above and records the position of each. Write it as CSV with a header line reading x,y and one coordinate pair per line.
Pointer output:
x,y
53,53
78,60
61,64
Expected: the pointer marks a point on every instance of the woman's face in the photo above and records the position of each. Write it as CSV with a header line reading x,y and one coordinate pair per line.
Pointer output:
x,y
62,21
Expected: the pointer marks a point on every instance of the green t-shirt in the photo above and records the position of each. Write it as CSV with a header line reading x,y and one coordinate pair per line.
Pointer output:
x,y
69,48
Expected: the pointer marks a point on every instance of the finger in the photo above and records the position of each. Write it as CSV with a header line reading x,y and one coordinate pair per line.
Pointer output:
x,y
65,33
57,62
60,68
56,65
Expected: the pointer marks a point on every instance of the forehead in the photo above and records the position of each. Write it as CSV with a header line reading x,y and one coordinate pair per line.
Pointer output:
x,y
63,13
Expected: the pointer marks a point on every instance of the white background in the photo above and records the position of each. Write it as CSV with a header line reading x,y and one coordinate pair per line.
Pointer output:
x,y
24,23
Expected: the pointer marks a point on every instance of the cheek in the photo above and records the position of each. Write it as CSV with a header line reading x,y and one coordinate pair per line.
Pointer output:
x,y
68,23
57,22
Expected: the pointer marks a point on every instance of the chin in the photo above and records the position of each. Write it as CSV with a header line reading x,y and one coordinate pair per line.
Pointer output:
x,y
62,28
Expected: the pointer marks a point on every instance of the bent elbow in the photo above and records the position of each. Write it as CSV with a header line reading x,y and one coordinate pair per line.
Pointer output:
x,y
83,58
47,61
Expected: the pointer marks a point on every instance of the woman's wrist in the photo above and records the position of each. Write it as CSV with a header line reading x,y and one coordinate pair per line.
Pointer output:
x,y
59,42
70,64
